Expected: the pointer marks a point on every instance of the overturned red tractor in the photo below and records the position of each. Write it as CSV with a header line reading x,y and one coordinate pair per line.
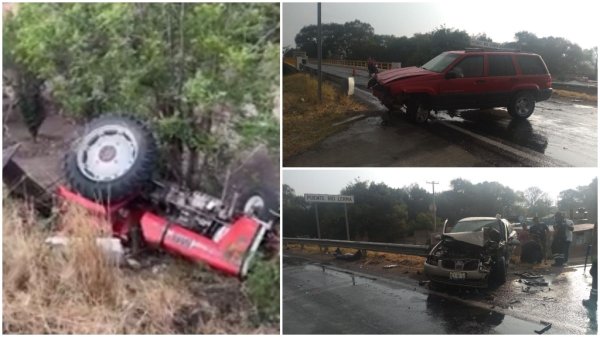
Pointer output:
x,y
111,172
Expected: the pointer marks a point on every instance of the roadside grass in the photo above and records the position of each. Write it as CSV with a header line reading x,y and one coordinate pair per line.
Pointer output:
x,y
576,95
306,121
262,287
77,290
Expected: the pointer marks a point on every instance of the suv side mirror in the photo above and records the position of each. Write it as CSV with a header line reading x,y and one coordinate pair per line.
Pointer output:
x,y
451,74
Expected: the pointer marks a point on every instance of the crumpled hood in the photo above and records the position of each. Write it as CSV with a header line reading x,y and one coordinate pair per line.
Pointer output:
x,y
387,76
474,238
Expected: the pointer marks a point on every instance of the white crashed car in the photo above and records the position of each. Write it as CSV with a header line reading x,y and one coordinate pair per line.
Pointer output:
x,y
475,252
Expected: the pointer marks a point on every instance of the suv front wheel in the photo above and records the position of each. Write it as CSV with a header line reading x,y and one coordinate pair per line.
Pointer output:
x,y
522,105
417,111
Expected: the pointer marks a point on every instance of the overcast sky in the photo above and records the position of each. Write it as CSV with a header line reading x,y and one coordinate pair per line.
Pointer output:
x,y
331,181
500,20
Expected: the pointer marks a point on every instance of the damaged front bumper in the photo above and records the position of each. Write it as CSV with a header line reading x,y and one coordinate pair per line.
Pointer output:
x,y
475,276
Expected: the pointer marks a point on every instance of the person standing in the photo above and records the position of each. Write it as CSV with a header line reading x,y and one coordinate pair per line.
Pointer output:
x,y
569,228
372,66
559,239
539,233
592,302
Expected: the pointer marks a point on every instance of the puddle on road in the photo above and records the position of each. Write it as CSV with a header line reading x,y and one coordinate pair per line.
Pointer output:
x,y
431,313
579,106
462,319
557,129
496,123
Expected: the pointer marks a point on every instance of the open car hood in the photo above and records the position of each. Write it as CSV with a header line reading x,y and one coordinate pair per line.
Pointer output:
x,y
474,238
388,76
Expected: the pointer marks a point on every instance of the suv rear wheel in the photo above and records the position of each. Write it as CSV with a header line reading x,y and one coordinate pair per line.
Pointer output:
x,y
522,105
417,111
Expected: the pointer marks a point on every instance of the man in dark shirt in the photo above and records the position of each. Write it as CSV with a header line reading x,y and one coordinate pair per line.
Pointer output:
x,y
538,232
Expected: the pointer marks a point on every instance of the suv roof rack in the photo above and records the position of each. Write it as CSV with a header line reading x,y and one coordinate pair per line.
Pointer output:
x,y
471,50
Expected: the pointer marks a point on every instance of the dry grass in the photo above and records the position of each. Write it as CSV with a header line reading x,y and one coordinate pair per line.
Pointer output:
x,y
305,120
404,262
576,95
76,289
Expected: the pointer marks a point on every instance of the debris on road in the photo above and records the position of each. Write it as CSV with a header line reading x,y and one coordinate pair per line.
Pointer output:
x,y
389,266
528,275
529,290
545,328
536,282
347,256
348,120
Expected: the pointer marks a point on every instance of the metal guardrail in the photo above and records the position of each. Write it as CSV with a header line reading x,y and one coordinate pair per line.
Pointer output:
x,y
397,248
353,63
344,63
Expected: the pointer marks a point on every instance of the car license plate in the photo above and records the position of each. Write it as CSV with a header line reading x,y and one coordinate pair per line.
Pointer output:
x,y
458,276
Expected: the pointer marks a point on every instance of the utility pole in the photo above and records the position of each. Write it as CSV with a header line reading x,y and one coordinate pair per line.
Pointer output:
x,y
433,183
319,49
347,226
317,216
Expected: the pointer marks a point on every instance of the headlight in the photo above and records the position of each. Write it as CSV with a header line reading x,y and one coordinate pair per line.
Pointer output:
x,y
432,260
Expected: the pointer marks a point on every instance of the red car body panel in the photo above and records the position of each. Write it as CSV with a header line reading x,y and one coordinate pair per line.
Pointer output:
x,y
227,252
396,85
388,76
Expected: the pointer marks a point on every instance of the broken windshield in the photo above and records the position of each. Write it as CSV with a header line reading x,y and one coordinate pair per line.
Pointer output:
x,y
440,62
472,225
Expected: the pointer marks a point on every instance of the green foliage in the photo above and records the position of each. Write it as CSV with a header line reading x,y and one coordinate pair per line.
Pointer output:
x,y
563,57
357,41
385,214
262,287
582,196
171,63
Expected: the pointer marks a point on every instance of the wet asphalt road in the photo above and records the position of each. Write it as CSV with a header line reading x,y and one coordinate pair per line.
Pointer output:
x,y
317,301
559,133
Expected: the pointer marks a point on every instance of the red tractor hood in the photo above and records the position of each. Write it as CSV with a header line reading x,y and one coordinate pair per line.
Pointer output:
x,y
400,73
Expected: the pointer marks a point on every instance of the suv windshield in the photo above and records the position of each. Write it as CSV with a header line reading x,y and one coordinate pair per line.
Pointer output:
x,y
440,62
472,225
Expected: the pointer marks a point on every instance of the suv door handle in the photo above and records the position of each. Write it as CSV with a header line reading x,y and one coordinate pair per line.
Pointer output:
x,y
480,81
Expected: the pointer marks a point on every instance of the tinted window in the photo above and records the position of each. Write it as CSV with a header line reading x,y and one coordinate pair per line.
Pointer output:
x,y
531,65
471,66
440,62
501,65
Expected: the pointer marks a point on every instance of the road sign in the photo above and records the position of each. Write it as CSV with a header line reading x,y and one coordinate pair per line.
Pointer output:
x,y
341,199
330,198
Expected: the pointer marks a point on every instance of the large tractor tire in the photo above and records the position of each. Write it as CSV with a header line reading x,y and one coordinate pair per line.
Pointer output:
x,y
258,201
113,161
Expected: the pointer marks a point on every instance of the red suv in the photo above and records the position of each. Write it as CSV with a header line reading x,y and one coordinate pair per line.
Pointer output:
x,y
466,79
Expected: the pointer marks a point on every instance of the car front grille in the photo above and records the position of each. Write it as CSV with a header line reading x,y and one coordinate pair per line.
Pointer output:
x,y
460,264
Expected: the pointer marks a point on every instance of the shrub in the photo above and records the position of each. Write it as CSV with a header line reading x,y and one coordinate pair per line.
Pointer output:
x,y
205,74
